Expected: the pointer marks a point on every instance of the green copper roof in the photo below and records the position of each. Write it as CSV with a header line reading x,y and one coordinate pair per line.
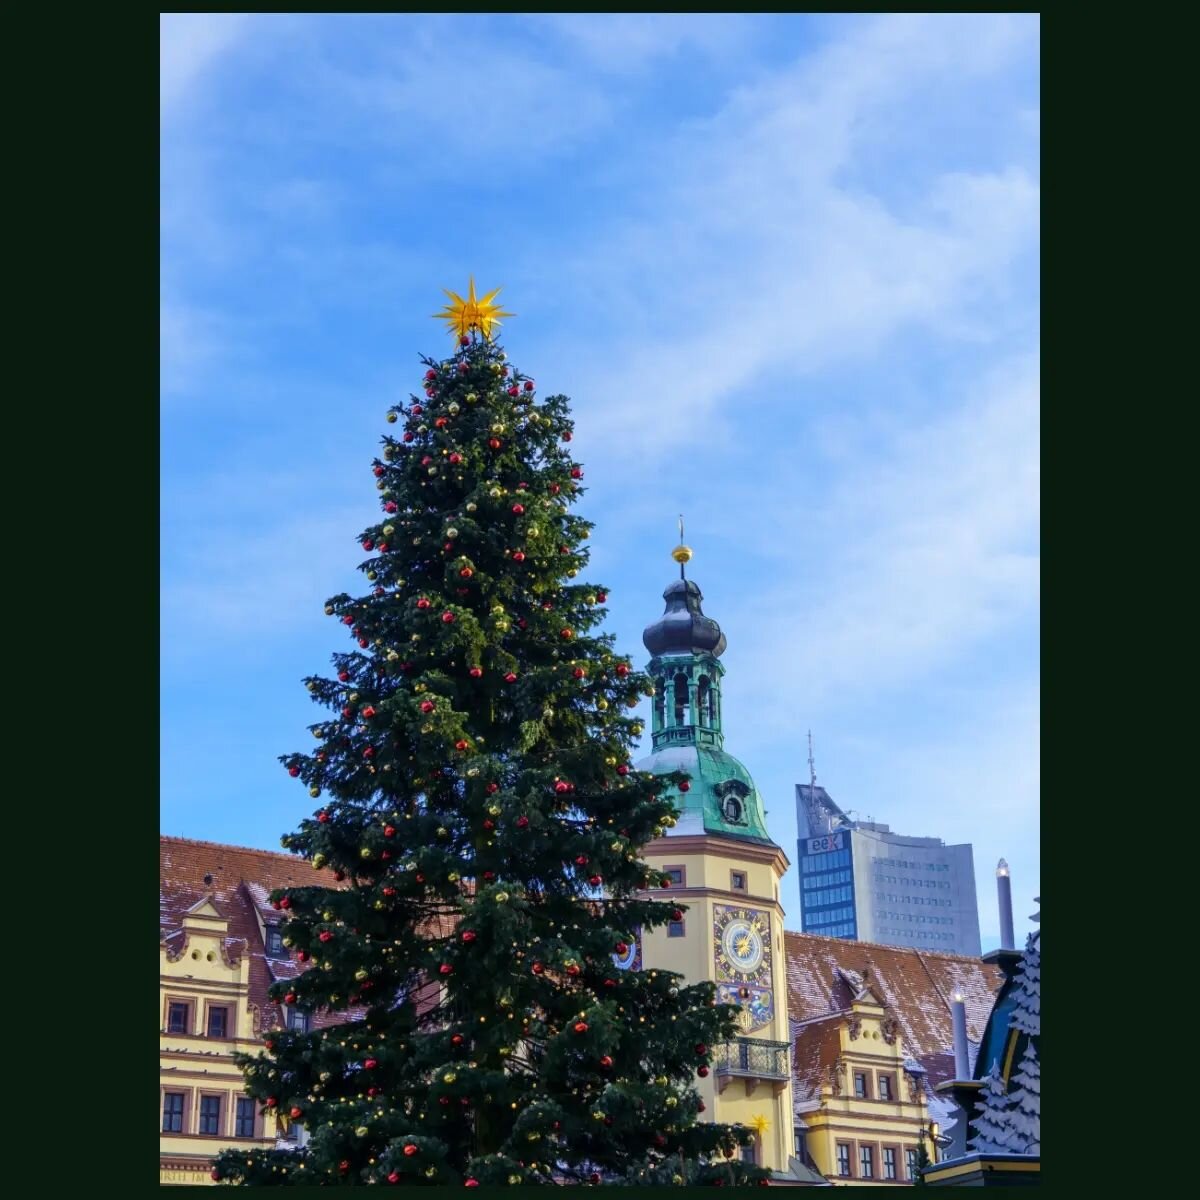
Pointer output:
x,y
721,786
686,721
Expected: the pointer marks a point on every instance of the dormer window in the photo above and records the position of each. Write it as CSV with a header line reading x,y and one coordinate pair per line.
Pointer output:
x,y
733,795
274,940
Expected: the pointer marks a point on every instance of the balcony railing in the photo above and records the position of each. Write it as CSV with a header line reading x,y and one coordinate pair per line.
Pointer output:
x,y
752,1059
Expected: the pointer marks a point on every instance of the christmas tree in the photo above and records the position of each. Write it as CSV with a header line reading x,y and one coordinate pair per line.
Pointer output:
x,y
482,824
1027,1014
1025,1115
992,1132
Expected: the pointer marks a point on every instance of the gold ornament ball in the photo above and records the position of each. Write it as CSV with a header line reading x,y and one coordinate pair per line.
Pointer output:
x,y
471,397
449,1077
360,974
365,852
452,533
671,1102
329,610
453,409
454,877
361,1131
391,418
514,1179
682,554
602,704
472,506
498,427
493,810
327,915
497,369
661,1080
598,1116
319,860
501,897
430,1172
372,575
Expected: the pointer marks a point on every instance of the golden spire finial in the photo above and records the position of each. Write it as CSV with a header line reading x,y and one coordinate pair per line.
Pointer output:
x,y
681,554
472,313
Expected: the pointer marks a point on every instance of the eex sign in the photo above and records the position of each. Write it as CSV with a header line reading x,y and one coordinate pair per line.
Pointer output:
x,y
818,845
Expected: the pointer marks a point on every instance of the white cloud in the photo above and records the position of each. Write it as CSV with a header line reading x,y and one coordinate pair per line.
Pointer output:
x,y
188,45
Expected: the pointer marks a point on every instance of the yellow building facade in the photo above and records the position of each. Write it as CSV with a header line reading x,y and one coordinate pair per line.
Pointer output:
x,y
219,951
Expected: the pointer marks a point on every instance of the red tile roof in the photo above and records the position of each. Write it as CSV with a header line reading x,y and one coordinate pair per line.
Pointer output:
x,y
238,880
914,986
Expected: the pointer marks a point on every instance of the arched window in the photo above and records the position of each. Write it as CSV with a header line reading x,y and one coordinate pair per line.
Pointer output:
x,y
681,699
703,702
659,707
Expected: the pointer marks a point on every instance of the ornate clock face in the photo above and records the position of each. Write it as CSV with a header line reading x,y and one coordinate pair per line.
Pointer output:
x,y
742,944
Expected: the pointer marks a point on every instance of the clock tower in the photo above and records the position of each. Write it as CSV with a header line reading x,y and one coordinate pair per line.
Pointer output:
x,y
725,871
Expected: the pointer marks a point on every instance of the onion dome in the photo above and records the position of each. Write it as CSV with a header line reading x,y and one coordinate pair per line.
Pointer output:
x,y
683,628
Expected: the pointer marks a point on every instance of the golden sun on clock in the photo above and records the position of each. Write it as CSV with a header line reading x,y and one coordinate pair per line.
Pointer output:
x,y
742,944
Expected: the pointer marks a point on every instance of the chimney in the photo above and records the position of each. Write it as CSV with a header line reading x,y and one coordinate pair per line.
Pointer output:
x,y
1004,891
962,1062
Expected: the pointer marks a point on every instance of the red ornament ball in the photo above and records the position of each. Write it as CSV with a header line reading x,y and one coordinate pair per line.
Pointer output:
x,y
446,969
323,817
389,890
410,1149
685,786
621,948
295,1113
427,706
293,771
417,410
622,670
493,788
441,423
677,915
344,676
519,556
389,831
461,744
566,437
371,1064
601,598
518,509
363,643
423,602
448,617
579,673
431,374
494,443
325,936
455,459
408,436
576,472
581,1027
393,1177
537,968
529,385
513,391
566,634
469,1182
510,678
290,998
469,936
475,672
610,983
214,1175
391,506
702,1072
456,1040
595,880
522,822
466,572
562,786
622,770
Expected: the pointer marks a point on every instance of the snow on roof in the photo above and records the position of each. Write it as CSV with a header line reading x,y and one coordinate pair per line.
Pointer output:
x,y
914,986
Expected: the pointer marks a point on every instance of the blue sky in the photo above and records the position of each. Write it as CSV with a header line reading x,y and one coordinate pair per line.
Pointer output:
x,y
786,267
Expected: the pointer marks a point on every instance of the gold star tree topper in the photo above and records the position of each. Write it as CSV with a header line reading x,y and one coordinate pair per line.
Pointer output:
x,y
472,313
